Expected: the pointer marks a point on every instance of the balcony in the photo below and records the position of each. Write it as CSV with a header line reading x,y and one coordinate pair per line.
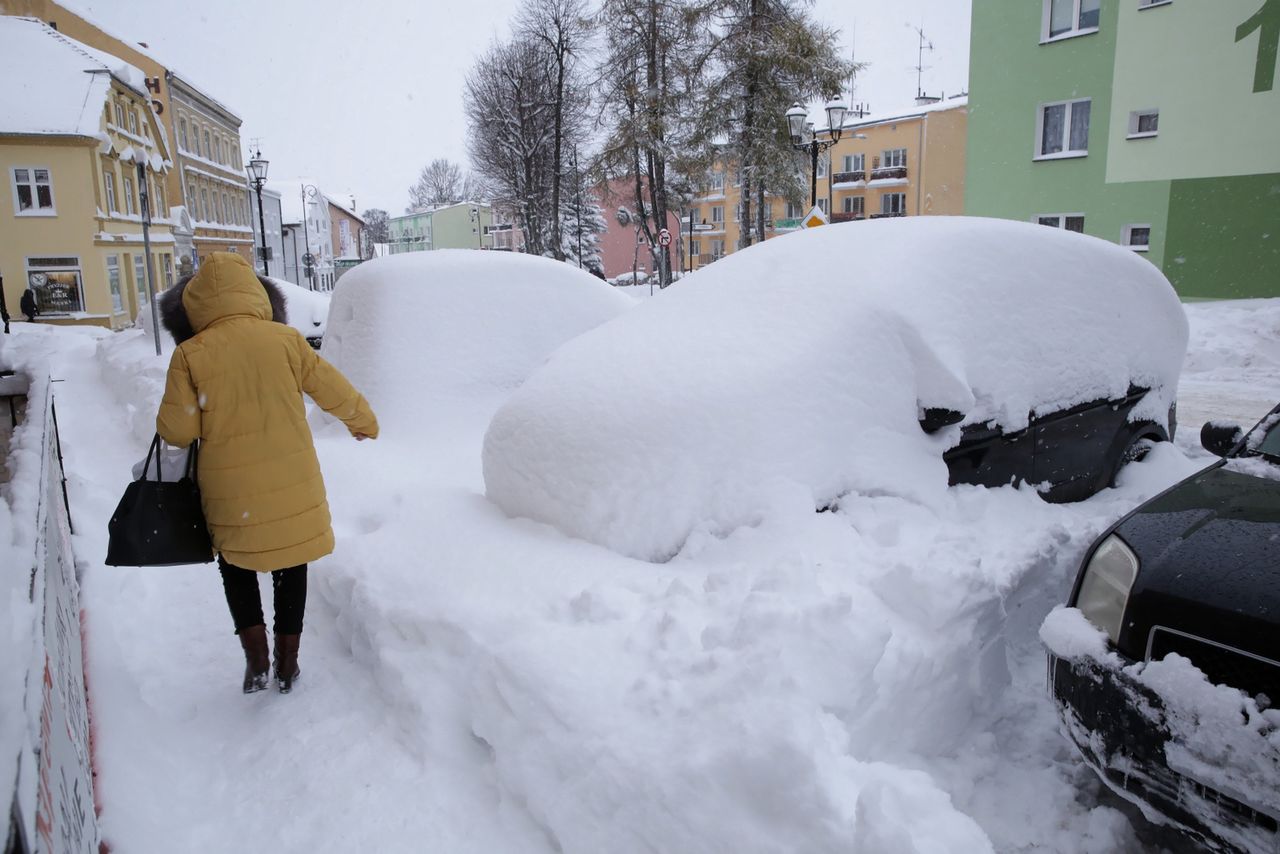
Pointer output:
x,y
889,172
887,215
849,177
851,216
704,260
789,224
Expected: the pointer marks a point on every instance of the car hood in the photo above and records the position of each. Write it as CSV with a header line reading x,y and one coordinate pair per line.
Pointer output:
x,y
1209,552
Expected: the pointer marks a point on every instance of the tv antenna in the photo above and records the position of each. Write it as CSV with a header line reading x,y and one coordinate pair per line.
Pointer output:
x,y
856,108
920,67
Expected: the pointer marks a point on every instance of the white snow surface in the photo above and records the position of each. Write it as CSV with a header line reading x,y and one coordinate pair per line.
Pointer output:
x,y
765,375
308,310
869,679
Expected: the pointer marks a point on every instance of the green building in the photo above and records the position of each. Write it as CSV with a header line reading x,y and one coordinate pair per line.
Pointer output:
x,y
1152,123
459,226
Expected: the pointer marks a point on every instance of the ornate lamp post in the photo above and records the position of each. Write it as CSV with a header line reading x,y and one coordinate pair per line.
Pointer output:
x,y
309,192
258,177
803,137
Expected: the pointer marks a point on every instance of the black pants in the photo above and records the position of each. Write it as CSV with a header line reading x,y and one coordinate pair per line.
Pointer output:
x,y
289,588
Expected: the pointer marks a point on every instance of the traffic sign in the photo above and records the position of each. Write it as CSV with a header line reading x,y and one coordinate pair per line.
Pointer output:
x,y
814,218
664,238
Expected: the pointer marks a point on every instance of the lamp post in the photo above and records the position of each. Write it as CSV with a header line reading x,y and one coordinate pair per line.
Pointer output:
x,y
308,260
803,137
144,197
258,177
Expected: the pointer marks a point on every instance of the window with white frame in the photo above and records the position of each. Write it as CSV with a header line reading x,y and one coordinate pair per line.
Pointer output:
x,y
133,122
109,179
1144,124
694,216
695,247
32,191
182,134
1062,129
855,162
893,203
119,115
855,205
1067,18
894,158
1136,237
168,270
113,283
717,181
1067,222
717,215
717,249
794,210
128,196
822,166
140,279
208,147
206,212
823,206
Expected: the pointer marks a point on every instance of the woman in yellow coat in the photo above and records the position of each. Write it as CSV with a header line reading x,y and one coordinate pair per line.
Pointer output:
x,y
236,385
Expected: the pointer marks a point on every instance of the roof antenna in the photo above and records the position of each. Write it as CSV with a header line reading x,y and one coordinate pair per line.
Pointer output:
x,y
920,67
856,109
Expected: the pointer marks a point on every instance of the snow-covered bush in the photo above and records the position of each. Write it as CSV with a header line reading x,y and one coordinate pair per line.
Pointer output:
x,y
800,367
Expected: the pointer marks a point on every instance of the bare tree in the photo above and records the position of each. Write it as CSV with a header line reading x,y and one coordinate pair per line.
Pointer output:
x,y
510,114
562,29
377,229
439,183
652,80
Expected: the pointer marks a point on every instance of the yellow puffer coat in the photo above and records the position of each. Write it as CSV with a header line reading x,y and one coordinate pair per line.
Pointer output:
x,y
237,386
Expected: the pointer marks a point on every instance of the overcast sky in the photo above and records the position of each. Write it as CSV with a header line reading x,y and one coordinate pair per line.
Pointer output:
x,y
360,95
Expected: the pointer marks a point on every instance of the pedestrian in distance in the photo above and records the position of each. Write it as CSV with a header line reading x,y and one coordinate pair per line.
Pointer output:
x,y
236,383
27,304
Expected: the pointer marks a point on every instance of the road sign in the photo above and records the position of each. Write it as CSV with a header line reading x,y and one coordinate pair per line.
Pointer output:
x,y
702,227
814,218
664,238
308,259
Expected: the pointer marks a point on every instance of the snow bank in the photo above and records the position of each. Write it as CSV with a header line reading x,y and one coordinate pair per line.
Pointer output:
x,y
308,310
772,370
409,329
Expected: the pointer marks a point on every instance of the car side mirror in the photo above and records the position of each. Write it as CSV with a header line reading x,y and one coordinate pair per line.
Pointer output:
x,y
1219,438
936,417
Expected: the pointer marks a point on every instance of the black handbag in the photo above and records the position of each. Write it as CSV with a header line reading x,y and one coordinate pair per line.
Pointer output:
x,y
159,523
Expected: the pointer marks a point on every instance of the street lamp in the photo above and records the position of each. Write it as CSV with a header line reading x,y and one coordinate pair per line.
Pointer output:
x,y
803,137
309,192
258,177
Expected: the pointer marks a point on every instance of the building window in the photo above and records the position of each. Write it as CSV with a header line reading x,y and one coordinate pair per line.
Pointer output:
x,y
133,122
168,270
717,249
1067,18
32,192
822,206
822,167
182,134
162,204
893,204
1062,129
128,196
855,205
236,151
717,215
1144,124
1136,237
855,162
894,158
56,284
119,115
717,181
208,149
1067,222
109,179
113,282
205,211
225,210
695,247
794,210
140,279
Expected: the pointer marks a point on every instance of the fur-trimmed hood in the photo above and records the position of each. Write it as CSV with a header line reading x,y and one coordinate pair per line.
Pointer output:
x,y
176,320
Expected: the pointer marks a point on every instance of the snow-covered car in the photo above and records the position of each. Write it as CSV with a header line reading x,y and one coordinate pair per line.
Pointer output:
x,y
894,357
1190,577
308,310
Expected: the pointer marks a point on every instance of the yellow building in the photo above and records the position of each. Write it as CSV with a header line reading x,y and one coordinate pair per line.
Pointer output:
x,y
208,188
903,163
74,123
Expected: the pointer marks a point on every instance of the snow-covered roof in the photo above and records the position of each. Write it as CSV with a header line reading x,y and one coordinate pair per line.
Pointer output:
x,y
347,209
54,84
898,114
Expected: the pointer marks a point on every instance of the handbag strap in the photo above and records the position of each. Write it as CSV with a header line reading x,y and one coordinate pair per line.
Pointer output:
x,y
192,455
153,452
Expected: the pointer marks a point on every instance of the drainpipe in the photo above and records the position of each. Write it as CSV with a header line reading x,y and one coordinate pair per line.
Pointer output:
x,y
920,178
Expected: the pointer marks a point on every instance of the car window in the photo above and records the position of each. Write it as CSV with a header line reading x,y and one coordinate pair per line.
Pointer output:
x,y
1269,445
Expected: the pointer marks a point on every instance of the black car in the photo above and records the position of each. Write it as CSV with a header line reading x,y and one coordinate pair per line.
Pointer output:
x,y
1194,571
1075,452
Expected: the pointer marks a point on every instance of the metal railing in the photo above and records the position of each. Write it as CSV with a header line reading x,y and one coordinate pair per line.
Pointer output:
x,y
849,177
847,216
888,172
704,260
886,215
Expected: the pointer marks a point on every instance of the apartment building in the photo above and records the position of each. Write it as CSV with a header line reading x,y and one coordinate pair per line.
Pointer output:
x,y
465,225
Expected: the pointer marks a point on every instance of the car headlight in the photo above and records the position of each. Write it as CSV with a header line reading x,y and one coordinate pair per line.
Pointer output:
x,y
1104,592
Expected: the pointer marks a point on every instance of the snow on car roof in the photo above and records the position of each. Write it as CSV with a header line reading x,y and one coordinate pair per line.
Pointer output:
x,y
799,367
413,327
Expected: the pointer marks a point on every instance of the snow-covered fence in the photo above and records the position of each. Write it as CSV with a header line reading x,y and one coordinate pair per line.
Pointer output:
x,y
44,726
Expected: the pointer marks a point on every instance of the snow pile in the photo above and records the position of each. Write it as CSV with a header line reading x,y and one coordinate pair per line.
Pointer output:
x,y
764,374
410,329
308,310
135,374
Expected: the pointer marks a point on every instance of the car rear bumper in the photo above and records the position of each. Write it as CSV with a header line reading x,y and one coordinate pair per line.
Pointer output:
x,y
1118,726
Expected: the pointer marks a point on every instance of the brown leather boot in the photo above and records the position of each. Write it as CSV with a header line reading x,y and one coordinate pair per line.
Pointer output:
x,y
287,671
257,663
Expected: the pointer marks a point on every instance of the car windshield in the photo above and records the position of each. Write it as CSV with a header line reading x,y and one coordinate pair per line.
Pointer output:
x,y
1265,439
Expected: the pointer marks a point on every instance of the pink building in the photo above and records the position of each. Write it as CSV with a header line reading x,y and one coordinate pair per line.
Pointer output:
x,y
621,246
